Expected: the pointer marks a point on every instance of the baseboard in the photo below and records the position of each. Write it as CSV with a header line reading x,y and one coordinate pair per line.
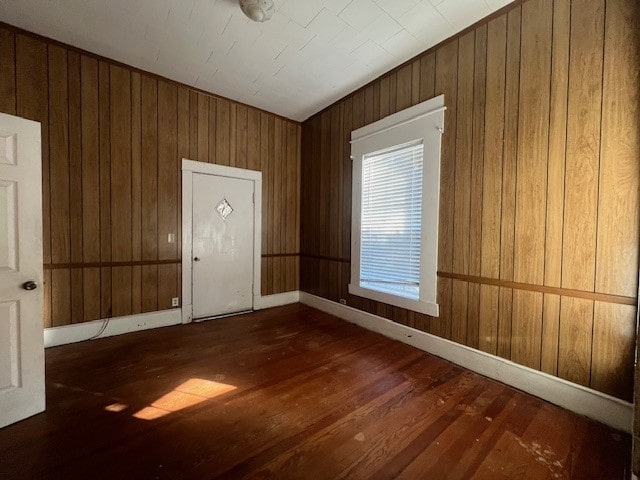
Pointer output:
x,y
584,401
261,302
80,332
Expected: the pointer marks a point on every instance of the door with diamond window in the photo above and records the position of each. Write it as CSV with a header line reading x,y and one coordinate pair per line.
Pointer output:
x,y
223,230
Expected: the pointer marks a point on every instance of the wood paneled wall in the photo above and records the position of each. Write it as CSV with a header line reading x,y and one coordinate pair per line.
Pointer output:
x,y
539,217
113,139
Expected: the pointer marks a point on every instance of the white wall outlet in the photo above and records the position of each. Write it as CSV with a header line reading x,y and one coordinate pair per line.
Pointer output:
x,y
175,302
343,301
171,238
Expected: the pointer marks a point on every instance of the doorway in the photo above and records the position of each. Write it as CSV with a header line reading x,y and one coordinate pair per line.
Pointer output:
x,y
221,239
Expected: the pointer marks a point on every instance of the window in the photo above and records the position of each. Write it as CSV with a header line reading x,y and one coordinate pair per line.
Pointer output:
x,y
396,176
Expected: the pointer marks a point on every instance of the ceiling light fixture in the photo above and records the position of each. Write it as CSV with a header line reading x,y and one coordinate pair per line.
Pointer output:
x,y
258,10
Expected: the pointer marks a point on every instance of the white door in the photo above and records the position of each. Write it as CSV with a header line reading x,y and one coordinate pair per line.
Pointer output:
x,y
21,315
223,229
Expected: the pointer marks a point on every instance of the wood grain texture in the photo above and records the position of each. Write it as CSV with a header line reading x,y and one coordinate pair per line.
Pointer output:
x,y
617,253
120,121
59,154
7,72
113,138
583,144
533,133
387,410
539,186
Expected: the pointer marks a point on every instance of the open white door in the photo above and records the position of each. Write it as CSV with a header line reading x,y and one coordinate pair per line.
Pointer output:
x,y
22,391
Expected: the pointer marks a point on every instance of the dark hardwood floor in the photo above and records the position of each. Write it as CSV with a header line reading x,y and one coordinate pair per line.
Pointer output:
x,y
291,393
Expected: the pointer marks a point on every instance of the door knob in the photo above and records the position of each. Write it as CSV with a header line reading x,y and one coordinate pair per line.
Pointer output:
x,y
196,259
30,285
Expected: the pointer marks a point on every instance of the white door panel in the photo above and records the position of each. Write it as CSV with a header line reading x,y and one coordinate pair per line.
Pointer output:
x,y
21,328
223,230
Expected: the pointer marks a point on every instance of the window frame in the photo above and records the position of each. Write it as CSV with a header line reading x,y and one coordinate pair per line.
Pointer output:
x,y
423,122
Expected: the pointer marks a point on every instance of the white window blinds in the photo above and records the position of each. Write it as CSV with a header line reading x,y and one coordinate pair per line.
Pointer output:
x,y
391,220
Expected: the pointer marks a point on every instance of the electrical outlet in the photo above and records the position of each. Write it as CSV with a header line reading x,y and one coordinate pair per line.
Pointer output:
x,y
171,238
343,301
175,302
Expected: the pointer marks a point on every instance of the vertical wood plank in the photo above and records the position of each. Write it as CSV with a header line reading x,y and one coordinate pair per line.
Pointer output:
x,y
150,288
346,178
213,130
120,135
276,229
75,186
614,333
618,206
47,320
75,165
492,182
526,335
477,166
427,76
510,147
59,157
403,87
105,164
583,145
7,72
106,307
462,184
136,191
533,128
222,131
202,126
384,96
90,164
193,125
167,173
91,293
149,187
415,82
241,136
233,133
60,297
576,332
446,73
253,139
121,291
104,130
555,183
183,146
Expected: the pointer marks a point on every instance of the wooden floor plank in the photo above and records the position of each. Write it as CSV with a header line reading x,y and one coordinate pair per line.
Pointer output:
x,y
287,393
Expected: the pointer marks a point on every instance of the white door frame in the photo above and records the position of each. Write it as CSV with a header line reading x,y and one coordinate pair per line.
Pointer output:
x,y
189,167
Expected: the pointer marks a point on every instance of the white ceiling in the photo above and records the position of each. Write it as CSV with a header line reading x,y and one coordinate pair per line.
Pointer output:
x,y
310,54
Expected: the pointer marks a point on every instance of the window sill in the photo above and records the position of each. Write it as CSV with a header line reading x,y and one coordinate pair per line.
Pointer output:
x,y
427,308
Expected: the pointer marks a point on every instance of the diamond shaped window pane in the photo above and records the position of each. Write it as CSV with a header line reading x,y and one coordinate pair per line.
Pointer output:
x,y
224,208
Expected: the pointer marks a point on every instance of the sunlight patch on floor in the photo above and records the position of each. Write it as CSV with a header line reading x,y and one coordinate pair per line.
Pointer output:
x,y
116,407
190,393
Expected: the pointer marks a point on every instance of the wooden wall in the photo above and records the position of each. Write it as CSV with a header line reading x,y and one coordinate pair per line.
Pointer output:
x,y
538,241
113,138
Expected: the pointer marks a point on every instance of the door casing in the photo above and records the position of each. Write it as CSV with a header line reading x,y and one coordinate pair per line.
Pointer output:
x,y
189,168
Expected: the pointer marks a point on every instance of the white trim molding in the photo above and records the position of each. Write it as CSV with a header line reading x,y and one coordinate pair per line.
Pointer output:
x,y
421,124
189,167
80,332
582,400
276,300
